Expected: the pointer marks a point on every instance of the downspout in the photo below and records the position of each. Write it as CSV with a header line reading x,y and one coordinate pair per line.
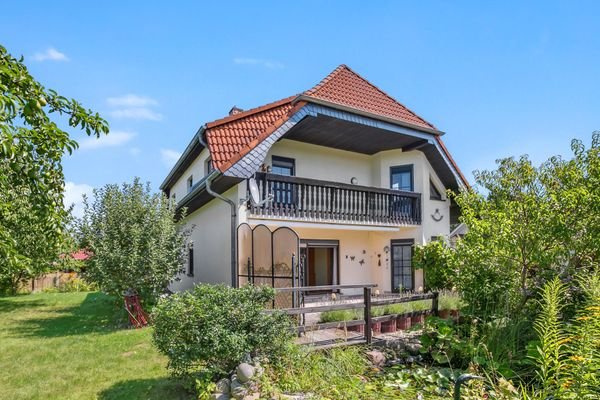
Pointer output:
x,y
233,206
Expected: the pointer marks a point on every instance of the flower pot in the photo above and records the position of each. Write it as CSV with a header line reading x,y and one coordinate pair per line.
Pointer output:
x,y
403,322
417,319
388,326
357,328
444,314
455,314
376,327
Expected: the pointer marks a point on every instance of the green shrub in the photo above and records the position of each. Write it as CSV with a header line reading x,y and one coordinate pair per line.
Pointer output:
x,y
341,315
214,327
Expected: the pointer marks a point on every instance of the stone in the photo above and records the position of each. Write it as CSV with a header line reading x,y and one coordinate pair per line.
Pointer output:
x,y
413,348
252,396
223,386
376,357
245,372
238,389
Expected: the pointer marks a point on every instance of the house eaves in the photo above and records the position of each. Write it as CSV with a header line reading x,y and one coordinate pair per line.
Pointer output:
x,y
190,153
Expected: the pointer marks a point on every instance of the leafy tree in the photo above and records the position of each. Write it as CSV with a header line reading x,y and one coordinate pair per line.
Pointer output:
x,y
135,242
573,191
32,216
533,224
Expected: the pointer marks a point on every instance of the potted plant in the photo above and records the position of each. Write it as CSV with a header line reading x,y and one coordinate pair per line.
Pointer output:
x,y
389,326
449,304
402,312
419,311
377,312
342,316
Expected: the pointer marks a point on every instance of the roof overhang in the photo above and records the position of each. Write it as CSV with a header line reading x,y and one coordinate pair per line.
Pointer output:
x,y
191,152
199,196
351,131
310,99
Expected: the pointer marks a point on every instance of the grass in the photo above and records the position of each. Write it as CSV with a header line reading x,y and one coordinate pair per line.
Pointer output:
x,y
73,346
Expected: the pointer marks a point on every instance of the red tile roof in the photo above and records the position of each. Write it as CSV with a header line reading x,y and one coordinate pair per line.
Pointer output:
x,y
345,87
232,137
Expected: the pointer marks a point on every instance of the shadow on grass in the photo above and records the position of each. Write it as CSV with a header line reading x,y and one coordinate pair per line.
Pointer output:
x,y
97,313
8,304
158,388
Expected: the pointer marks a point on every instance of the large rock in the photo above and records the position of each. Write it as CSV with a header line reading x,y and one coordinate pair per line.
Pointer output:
x,y
238,389
245,372
376,357
223,386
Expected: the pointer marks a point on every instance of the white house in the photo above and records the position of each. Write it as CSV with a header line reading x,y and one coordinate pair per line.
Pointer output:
x,y
347,178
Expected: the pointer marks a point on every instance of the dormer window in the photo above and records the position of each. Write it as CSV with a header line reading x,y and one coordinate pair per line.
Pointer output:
x,y
283,166
190,183
434,193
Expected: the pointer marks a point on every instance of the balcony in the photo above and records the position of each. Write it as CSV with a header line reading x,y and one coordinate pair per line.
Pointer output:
x,y
312,200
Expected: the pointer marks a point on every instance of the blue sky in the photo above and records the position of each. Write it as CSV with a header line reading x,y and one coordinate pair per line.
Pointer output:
x,y
500,78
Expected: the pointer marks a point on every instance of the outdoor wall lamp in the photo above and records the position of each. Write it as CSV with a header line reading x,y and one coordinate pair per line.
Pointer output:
x,y
353,180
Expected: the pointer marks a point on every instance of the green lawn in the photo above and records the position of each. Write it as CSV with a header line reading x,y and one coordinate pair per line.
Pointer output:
x,y
70,346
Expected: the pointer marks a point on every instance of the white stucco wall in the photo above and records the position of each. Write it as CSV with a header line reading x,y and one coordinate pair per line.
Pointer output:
x,y
365,246
325,163
211,237
196,169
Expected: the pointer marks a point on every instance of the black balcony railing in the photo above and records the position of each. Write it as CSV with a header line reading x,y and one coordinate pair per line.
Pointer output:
x,y
315,200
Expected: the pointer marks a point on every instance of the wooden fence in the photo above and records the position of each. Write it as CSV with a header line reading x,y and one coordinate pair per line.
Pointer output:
x,y
49,280
367,304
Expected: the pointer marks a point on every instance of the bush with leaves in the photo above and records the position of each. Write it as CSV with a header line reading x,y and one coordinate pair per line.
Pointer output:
x,y
136,245
532,224
32,216
437,262
215,327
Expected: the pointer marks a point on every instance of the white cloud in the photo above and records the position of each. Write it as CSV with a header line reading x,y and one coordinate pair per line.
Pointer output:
x,y
131,100
169,157
270,64
132,106
51,54
113,139
74,196
136,113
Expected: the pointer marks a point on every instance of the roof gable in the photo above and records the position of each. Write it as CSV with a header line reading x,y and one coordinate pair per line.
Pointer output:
x,y
230,138
345,87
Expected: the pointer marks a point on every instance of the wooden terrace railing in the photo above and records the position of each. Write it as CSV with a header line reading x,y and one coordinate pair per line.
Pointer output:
x,y
367,304
316,200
